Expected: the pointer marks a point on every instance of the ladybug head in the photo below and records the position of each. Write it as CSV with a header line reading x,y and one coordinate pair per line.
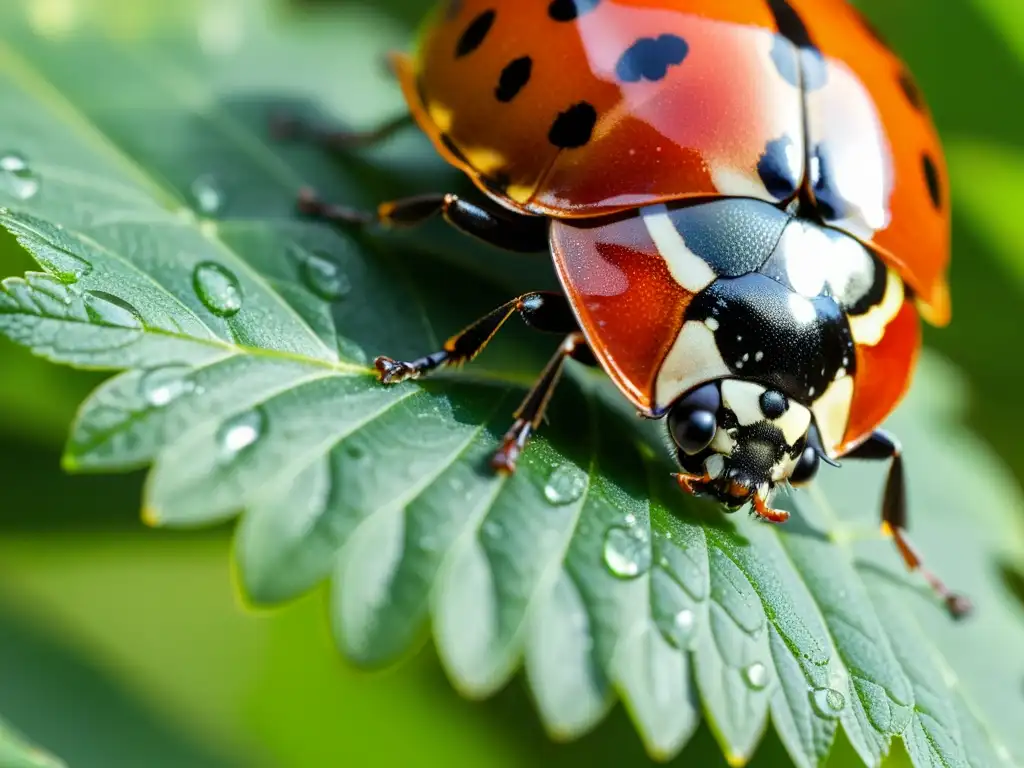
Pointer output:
x,y
736,440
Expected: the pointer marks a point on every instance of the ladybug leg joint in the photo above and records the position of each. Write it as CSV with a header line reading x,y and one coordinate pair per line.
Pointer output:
x,y
768,513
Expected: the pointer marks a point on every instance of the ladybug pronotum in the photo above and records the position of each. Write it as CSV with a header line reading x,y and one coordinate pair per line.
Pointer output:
x,y
745,202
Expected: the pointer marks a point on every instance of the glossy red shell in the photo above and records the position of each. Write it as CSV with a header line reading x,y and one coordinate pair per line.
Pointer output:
x,y
698,129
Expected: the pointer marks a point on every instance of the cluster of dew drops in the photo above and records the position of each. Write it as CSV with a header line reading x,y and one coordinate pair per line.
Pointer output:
x,y
626,551
627,554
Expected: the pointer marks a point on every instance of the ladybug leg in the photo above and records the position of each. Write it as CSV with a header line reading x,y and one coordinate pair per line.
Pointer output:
x,y
542,310
881,446
486,221
288,127
531,411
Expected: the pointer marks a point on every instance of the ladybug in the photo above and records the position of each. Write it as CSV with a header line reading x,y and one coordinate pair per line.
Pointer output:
x,y
746,206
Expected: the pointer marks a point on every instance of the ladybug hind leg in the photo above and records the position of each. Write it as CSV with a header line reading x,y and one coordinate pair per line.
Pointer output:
x,y
485,221
882,446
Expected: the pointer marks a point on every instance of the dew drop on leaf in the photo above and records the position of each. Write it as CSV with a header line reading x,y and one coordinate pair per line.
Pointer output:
x,y
756,676
107,309
565,484
827,702
239,432
163,385
217,288
17,176
627,551
679,629
324,278
207,194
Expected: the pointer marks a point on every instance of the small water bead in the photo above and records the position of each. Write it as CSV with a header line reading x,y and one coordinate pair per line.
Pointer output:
x,y
565,484
240,432
207,194
756,676
17,176
828,702
324,278
680,629
107,309
217,288
627,551
162,386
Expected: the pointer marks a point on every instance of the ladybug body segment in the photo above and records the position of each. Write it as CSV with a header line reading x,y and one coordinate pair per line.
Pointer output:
x,y
746,207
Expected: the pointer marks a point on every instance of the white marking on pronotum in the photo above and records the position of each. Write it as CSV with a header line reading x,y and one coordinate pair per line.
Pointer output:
x,y
687,268
832,412
693,359
744,399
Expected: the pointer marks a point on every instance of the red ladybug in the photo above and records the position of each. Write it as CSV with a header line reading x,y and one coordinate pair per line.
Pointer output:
x,y
747,208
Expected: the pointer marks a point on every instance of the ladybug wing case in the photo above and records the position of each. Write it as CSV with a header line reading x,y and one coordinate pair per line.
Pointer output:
x,y
577,109
877,168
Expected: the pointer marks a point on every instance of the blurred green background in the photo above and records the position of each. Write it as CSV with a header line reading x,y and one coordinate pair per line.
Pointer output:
x,y
122,646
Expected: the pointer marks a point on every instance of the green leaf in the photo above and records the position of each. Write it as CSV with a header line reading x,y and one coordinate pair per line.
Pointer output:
x,y
161,217
15,752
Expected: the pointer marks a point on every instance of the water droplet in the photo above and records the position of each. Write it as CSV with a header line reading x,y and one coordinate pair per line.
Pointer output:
x,y
65,266
565,484
107,309
324,278
679,629
240,432
756,676
828,702
17,176
217,288
208,194
163,385
627,551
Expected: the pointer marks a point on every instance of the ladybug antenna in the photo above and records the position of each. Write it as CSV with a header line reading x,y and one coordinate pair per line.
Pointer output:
x,y
828,460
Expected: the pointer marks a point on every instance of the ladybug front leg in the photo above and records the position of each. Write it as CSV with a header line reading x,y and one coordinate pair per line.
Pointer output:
x,y
485,221
882,446
541,310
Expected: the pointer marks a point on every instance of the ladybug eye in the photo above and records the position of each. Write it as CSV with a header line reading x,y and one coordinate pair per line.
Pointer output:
x,y
694,431
806,467
692,421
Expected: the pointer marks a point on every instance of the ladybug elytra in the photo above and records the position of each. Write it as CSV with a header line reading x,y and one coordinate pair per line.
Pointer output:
x,y
746,207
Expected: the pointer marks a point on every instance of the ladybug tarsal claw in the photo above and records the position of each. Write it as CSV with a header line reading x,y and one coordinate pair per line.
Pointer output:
x,y
958,606
686,481
391,371
507,456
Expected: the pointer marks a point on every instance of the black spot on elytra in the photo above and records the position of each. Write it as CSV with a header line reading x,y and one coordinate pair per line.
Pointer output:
x,y
931,178
568,10
790,25
514,76
574,127
473,36
780,168
773,404
909,87
650,57
830,205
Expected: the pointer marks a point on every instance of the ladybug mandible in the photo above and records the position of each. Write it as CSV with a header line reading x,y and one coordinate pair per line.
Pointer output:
x,y
746,207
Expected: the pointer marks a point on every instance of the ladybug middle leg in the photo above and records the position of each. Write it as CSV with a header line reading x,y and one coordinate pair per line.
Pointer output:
x,y
883,446
542,310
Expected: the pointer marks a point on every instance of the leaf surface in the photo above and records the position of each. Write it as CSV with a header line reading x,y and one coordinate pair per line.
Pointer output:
x,y
161,218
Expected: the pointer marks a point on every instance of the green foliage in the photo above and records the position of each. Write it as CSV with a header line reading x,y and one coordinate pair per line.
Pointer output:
x,y
162,220
16,753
